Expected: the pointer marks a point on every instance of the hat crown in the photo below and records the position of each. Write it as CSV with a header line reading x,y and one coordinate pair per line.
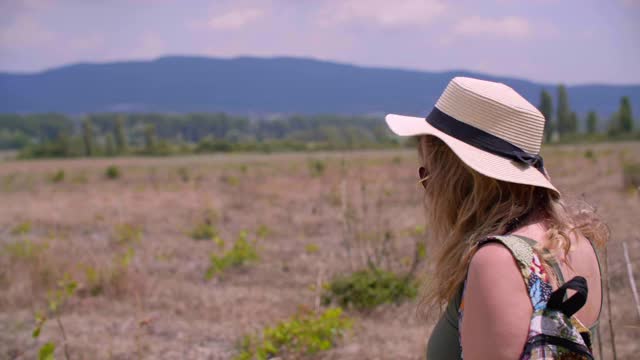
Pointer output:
x,y
496,109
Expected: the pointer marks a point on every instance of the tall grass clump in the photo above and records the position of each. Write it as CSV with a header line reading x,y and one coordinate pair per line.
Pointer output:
x,y
242,252
302,335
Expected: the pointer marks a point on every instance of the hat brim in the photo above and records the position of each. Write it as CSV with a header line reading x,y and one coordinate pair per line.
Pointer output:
x,y
485,163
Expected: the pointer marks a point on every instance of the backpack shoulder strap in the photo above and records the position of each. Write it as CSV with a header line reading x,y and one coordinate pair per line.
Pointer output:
x,y
533,273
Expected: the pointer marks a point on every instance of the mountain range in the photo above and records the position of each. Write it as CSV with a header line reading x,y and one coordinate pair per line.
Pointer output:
x,y
249,85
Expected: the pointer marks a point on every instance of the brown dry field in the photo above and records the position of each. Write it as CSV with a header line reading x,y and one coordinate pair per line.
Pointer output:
x,y
161,306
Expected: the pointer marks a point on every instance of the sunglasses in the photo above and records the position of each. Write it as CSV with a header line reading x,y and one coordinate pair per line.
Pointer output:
x,y
423,175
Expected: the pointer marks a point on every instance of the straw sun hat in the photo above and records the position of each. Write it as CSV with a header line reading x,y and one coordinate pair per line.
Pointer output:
x,y
489,126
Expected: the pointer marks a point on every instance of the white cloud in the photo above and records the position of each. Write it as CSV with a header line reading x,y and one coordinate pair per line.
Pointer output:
x,y
384,12
235,19
511,27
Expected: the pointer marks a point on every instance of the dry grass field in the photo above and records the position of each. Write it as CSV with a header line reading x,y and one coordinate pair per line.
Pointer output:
x,y
142,292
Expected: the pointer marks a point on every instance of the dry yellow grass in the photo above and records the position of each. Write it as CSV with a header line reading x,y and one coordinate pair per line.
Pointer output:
x,y
142,289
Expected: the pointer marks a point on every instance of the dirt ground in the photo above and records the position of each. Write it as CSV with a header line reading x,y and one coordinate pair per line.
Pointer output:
x,y
131,237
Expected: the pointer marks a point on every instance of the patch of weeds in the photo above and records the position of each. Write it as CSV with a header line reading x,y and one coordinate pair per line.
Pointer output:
x,y
46,351
303,335
263,231
21,229
164,256
230,180
211,215
56,299
94,280
204,231
631,175
127,233
589,154
311,248
110,278
25,249
8,181
242,252
396,160
316,167
243,169
366,289
112,172
183,173
334,197
57,177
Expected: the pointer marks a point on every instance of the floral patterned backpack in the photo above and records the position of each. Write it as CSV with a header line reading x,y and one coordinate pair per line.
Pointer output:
x,y
554,333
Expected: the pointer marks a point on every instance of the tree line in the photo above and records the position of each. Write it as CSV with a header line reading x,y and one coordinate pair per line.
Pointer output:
x,y
54,135
563,124
115,134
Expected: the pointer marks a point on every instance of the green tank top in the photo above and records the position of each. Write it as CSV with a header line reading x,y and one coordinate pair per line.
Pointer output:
x,y
444,342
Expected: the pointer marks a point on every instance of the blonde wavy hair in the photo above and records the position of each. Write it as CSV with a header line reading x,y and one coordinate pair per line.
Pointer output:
x,y
463,207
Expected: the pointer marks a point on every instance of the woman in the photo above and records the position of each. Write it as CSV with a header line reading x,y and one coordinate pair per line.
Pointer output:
x,y
483,177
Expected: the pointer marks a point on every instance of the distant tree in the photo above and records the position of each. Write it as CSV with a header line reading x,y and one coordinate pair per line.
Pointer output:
x,y
625,117
120,135
592,122
573,123
87,137
109,147
546,108
150,138
563,117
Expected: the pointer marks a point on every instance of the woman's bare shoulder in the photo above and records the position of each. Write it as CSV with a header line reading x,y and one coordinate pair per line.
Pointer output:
x,y
497,308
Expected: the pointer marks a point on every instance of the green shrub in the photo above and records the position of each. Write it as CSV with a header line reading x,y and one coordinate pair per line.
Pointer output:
x,y
366,289
316,167
631,175
57,177
241,253
112,172
203,231
21,229
303,334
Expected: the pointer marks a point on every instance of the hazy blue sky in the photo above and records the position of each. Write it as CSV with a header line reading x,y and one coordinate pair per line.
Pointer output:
x,y
573,41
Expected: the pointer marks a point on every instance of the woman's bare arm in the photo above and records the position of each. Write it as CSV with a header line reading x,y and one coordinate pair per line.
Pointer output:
x,y
497,309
